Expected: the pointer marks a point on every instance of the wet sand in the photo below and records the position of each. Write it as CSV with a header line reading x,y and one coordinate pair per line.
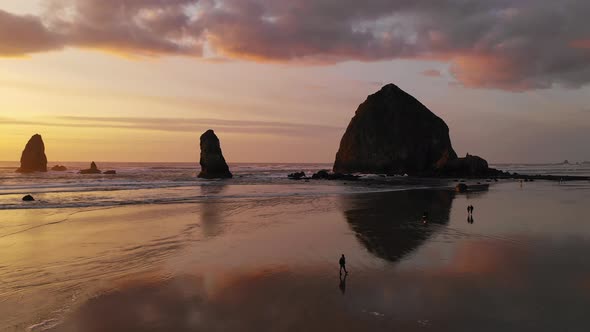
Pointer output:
x,y
271,264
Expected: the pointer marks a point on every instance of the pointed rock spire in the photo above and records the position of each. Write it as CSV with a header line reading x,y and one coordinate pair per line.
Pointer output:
x,y
213,165
33,158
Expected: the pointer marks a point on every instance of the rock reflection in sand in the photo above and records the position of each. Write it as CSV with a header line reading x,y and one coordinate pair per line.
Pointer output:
x,y
389,224
212,207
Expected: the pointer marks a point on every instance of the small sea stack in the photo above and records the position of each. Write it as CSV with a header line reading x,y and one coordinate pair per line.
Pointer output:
x,y
213,165
92,170
33,158
28,198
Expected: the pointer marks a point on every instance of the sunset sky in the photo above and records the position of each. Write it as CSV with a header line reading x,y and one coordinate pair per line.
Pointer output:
x,y
279,80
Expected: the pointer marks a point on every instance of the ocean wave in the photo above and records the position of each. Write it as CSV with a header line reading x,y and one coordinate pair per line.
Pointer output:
x,y
168,199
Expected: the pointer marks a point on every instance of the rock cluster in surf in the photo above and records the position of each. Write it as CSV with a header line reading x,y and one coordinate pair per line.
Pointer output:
x,y
92,170
33,158
213,165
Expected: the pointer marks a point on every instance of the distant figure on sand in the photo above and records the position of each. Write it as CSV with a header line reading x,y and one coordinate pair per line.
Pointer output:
x,y
425,217
470,209
342,262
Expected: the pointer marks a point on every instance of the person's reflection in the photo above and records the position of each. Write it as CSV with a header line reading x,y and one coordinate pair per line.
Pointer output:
x,y
211,209
342,285
470,219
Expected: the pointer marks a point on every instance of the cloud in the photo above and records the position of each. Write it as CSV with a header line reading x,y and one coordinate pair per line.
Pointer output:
x,y
182,125
147,27
581,43
20,35
432,73
501,44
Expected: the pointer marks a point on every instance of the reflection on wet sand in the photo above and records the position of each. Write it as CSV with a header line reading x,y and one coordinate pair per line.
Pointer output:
x,y
483,287
211,219
390,225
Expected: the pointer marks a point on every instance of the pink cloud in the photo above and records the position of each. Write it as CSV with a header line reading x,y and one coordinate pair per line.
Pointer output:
x,y
489,44
432,73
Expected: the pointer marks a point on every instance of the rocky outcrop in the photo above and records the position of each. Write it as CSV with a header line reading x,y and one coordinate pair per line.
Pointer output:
x,y
297,176
92,170
33,158
59,168
110,172
393,133
472,166
213,165
325,175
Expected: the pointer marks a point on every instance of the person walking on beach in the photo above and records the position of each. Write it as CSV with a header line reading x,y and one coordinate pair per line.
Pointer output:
x,y
342,262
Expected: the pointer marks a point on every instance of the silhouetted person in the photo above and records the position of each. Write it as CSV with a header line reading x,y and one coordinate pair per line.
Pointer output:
x,y
468,209
342,285
425,217
472,209
342,262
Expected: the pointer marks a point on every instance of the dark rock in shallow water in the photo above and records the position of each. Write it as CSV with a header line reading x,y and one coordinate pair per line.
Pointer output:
x,y
92,170
296,176
28,198
325,175
392,132
461,188
322,174
59,168
213,165
33,158
110,172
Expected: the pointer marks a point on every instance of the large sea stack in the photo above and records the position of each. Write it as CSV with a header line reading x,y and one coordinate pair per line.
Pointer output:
x,y
33,158
393,133
213,165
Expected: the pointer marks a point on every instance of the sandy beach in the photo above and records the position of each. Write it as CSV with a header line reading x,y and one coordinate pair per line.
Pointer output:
x,y
271,264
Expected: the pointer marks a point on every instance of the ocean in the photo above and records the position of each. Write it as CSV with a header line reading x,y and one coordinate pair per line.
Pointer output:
x,y
164,183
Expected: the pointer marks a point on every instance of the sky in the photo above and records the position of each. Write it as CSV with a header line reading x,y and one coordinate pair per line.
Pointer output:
x,y
279,80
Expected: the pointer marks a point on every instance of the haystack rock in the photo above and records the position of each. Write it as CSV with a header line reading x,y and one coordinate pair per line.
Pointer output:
x,y
213,165
92,170
33,158
393,133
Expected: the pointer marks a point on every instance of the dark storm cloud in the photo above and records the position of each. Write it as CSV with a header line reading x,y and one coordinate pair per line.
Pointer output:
x,y
513,45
